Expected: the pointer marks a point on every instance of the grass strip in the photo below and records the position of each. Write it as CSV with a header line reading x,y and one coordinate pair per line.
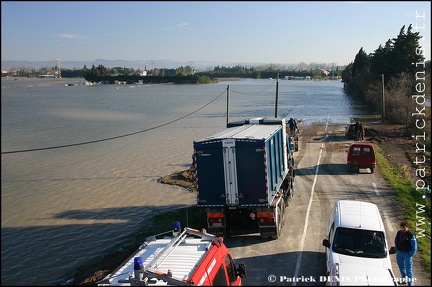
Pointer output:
x,y
416,203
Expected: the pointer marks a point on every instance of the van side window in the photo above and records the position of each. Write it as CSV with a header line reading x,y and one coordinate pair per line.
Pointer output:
x,y
220,279
366,151
356,151
229,263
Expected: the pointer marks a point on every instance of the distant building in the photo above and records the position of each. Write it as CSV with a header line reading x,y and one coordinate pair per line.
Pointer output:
x,y
325,72
142,72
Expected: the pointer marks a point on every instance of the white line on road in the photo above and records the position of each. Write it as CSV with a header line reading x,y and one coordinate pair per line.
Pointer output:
x,y
385,215
302,242
375,188
388,221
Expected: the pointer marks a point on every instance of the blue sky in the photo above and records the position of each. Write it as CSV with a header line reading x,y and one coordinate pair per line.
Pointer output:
x,y
240,32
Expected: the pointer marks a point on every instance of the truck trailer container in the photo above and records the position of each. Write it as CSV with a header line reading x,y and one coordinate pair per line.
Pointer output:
x,y
245,177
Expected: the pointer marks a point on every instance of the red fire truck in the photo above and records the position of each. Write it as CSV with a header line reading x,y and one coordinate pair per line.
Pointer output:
x,y
188,258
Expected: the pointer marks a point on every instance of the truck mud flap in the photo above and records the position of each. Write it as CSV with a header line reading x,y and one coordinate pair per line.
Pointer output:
x,y
219,231
273,230
267,232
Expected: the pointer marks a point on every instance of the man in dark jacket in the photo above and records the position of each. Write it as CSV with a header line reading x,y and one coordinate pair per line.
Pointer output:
x,y
406,245
358,131
293,126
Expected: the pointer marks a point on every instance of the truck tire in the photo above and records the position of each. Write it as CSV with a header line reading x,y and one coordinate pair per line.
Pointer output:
x,y
283,205
292,186
372,169
279,219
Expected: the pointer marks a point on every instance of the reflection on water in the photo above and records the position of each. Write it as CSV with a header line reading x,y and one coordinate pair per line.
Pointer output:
x,y
61,207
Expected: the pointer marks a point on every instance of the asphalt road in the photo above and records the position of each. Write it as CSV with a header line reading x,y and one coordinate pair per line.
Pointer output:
x,y
298,258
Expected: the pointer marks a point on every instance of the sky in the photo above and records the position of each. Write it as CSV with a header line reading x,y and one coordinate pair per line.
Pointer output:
x,y
275,32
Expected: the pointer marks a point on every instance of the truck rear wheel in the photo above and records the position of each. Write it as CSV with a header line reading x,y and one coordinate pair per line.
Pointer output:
x,y
282,205
292,187
279,219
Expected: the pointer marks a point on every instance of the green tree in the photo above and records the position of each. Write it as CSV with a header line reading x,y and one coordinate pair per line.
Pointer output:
x,y
400,60
361,63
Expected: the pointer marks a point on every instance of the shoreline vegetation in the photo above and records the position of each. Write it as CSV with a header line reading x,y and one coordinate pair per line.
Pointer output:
x,y
133,79
398,171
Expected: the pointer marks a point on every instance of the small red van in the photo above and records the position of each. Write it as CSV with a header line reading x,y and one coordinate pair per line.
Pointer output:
x,y
361,155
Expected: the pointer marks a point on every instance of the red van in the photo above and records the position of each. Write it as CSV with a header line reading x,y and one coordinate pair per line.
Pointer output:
x,y
361,155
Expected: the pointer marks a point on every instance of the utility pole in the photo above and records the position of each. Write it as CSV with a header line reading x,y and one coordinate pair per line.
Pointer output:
x,y
382,100
228,100
277,94
58,68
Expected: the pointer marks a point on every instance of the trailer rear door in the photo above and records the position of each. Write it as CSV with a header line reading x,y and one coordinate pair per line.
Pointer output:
x,y
209,164
251,181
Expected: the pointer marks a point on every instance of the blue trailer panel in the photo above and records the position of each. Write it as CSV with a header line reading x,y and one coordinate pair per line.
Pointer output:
x,y
250,172
242,165
208,156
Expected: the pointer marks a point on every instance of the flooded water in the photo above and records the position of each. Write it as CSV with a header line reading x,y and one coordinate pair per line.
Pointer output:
x,y
80,164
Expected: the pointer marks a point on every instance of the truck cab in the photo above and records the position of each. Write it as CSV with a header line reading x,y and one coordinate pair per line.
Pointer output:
x,y
190,258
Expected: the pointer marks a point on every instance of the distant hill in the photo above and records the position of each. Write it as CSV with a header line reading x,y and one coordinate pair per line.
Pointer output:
x,y
138,64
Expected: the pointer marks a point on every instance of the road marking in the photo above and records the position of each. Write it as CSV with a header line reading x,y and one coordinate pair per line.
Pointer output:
x,y
385,215
375,188
388,221
302,242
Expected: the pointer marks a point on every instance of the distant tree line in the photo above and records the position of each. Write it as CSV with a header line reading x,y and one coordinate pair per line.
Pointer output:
x,y
100,72
163,76
393,72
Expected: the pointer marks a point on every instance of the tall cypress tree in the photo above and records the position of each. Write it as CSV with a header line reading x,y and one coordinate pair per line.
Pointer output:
x,y
398,55
404,54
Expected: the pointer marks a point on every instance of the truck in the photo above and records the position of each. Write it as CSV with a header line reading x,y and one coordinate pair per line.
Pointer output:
x,y
186,258
245,177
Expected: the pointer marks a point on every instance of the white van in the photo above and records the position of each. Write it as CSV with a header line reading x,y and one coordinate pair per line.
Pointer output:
x,y
356,246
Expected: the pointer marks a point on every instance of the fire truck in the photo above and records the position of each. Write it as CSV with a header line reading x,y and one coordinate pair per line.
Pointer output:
x,y
188,258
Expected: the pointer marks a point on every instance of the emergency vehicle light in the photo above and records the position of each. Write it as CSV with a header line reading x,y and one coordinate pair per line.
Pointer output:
x,y
138,263
176,226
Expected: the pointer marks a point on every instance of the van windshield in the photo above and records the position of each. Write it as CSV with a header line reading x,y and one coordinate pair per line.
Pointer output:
x,y
359,242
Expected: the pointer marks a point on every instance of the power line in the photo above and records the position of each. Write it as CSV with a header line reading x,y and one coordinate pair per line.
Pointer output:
x,y
271,84
116,137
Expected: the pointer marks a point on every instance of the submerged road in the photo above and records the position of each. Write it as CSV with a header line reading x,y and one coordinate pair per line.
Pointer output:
x,y
298,258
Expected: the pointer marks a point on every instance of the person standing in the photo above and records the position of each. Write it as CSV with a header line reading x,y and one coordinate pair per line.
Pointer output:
x,y
293,126
406,246
358,131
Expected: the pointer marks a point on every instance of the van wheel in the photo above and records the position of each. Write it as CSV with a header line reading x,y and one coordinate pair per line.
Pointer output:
x,y
372,169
